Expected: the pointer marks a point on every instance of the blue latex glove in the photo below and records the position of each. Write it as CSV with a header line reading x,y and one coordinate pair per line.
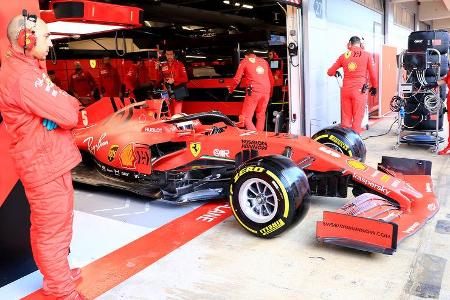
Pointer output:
x,y
49,124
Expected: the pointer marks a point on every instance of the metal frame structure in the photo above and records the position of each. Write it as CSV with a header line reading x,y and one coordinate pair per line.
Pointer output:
x,y
401,113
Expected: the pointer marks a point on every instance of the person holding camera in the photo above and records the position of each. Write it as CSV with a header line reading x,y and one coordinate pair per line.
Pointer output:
x,y
356,64
174,74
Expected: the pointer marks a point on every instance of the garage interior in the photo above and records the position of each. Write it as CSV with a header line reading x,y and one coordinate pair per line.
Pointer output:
x,y
132,247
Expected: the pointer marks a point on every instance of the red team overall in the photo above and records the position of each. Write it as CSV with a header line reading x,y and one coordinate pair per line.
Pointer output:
x,y
39,117
356,63
174,73
257,76
81,84
109,79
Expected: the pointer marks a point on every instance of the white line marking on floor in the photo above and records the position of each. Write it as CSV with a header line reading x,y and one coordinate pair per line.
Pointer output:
x,y
127,205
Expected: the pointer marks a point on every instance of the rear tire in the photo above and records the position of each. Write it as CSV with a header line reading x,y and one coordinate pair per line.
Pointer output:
x,y
267,195
343,140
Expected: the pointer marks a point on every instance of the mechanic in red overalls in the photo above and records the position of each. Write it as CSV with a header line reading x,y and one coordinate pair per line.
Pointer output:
x,y
136,80
81,84
356,63
256,74
277,75
445,80
39,117
174,74
109,79
52,76
154,73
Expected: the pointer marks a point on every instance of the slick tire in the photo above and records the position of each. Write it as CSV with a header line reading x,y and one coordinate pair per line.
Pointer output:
x,y
267,194
343,140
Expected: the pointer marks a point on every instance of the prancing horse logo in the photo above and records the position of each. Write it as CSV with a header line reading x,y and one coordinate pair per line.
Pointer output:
x,y
195,148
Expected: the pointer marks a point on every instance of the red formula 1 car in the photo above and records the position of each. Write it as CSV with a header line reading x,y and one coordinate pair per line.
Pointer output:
x,y
268,177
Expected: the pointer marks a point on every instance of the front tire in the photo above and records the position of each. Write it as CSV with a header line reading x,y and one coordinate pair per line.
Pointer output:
x,y
267,193
343,140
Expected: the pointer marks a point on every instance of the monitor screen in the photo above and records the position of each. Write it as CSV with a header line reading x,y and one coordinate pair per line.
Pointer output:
x,y
277,40
274,64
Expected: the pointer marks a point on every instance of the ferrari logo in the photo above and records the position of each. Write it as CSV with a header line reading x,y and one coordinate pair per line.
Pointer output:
x,y
195,148
93,63
352,66
347,54
252,60
112,152
356,164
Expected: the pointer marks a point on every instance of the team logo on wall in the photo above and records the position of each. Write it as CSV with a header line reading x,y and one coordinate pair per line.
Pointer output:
x,y
93,63
195,148
352,66
112,152
356,164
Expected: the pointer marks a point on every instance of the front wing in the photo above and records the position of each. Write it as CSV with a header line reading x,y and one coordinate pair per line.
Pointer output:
x,y
375,224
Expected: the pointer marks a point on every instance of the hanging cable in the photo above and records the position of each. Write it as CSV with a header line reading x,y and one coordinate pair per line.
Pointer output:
x,y
292,63
53,55
124,45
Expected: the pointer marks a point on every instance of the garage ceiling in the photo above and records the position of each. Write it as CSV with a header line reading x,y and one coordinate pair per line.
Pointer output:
x,y
179,19
435,11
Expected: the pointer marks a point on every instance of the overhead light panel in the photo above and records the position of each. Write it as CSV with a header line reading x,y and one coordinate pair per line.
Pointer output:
x,y
196,56
238,4
69,17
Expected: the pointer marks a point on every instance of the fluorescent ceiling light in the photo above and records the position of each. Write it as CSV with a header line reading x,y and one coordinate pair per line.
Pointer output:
x,y
69,28
237,4
226,1
247,6
58,36
196,56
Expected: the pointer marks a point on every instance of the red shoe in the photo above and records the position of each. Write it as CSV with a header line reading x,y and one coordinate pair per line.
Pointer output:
x,y
75,273
445,151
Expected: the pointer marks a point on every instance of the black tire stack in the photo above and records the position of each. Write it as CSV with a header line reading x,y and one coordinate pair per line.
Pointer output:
x,y
417,116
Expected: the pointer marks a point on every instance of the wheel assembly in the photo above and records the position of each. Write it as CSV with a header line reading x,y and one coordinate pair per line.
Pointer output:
x,y
267,194
343,140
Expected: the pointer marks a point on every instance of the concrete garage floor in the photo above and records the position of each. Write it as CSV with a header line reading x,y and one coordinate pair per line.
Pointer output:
x,y
227,263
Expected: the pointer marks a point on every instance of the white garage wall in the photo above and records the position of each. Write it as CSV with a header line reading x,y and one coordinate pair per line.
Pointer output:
x,y
326,34
397,36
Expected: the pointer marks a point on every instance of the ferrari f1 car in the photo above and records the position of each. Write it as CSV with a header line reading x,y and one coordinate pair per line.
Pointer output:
x,y
267,176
